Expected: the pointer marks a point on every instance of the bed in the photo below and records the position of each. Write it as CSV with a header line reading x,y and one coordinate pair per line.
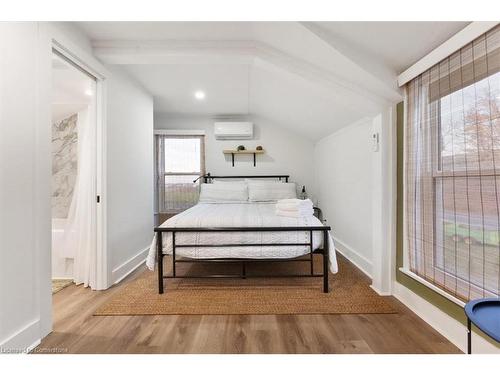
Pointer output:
x,y
240,232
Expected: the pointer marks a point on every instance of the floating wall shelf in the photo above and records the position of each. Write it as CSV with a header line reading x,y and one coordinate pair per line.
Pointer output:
x,y
246,152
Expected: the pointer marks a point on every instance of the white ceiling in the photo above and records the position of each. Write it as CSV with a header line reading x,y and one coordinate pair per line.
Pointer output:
x,y
173,87
168,30
396,44
313,77
69,87
300,105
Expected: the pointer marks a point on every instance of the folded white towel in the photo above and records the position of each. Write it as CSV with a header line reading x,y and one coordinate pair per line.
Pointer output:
x,y
301,205
295,214
294,209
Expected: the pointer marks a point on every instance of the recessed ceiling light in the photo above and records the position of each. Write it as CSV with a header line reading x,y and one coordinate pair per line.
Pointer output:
x,y
88,92
200,95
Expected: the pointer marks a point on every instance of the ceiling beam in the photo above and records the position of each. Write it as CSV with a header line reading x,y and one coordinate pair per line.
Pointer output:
x,y
270,58
174,52
234,52
381,77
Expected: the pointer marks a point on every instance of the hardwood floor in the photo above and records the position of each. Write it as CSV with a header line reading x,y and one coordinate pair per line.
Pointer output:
x,y
76,330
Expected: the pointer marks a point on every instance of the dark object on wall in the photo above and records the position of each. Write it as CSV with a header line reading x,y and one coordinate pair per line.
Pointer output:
x,y
258,148
240,148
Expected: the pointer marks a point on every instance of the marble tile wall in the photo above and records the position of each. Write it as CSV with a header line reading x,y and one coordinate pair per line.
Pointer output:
x,y
64,165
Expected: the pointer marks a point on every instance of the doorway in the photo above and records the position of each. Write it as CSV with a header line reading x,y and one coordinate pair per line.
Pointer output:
x,y
74,184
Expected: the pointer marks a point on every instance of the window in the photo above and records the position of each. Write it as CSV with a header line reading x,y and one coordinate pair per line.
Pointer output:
x,y
452,186
179,160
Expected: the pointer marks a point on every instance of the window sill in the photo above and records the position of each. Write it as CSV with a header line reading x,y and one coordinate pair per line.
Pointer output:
x,y
432,286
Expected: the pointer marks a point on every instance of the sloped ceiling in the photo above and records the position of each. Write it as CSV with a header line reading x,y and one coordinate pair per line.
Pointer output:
x,y
312,78
397,45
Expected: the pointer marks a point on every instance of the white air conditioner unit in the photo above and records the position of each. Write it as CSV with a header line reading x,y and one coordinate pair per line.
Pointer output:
x,y
233,130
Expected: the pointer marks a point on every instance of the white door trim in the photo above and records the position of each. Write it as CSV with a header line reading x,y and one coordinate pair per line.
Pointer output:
x,y
49,38
88,63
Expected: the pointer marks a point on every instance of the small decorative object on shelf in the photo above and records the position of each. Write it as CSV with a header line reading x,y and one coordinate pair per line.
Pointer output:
x,y
259,148
303,194
240,151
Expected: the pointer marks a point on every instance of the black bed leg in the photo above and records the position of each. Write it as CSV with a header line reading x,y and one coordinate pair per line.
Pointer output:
x,y
311,256
173,255
325,261
243,270
159,255
469,336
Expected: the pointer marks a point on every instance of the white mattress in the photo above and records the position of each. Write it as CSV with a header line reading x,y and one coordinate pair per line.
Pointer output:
x,y
239,215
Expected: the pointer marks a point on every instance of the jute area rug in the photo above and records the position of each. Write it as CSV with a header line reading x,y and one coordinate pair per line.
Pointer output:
x,y
350,292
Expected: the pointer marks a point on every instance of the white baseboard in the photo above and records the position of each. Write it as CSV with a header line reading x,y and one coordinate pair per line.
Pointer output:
x,y
450,328
33,345
357,259
129,266
379,292
22,341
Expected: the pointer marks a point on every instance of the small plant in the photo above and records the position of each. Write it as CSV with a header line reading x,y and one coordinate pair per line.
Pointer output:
x,y
240,148
259,148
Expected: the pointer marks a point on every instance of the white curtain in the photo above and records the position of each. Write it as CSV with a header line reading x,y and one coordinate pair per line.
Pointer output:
x,y
80,231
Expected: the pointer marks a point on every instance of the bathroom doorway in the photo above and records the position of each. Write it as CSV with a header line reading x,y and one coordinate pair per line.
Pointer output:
x,y
74,183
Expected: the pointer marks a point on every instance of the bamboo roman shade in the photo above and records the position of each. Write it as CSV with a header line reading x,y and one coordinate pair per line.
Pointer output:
x,y
452,169
471,64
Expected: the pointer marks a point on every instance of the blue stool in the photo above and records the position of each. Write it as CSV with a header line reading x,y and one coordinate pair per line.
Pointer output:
x,y
485,314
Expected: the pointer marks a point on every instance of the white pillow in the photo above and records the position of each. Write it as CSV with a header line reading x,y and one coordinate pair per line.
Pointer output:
x,y
259,191
229,182
223,192
263,180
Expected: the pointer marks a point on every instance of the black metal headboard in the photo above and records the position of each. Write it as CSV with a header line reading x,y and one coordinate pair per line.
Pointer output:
x,y
208,177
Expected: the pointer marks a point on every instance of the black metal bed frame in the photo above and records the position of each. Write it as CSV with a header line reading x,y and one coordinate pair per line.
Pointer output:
x,y
208,177
242,261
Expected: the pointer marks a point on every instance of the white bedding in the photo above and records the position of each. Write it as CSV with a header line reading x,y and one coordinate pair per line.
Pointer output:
x,y
239,215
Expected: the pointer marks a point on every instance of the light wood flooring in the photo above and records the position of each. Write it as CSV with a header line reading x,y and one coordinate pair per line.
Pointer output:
x,y
76,330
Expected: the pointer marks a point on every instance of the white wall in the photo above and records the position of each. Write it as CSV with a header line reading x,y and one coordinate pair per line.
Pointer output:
x,y
25,178
343,171
19,250
25,174
286,152
129,173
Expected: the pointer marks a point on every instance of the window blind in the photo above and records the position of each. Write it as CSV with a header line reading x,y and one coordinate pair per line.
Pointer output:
x,y
179,161
452,169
